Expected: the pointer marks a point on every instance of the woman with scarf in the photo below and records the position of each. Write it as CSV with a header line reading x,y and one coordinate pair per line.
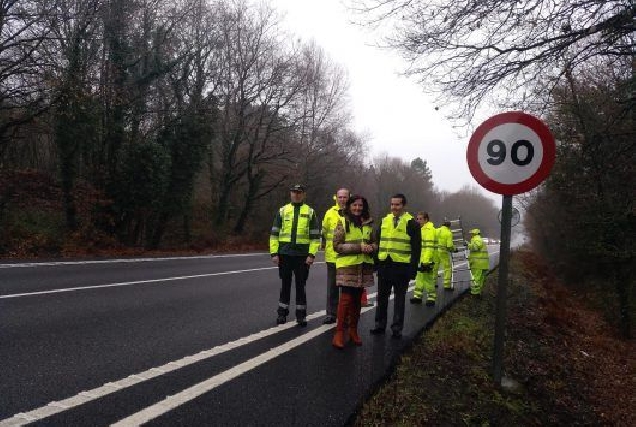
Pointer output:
x,y
355,242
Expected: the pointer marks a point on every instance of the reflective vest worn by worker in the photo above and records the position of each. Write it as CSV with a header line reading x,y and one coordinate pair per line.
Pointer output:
x,y
429,244
329,223
445,241
395,241
302,231
355,235
478,256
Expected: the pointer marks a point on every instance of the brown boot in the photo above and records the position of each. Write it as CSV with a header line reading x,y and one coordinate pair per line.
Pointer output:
x,y
354,316
343,309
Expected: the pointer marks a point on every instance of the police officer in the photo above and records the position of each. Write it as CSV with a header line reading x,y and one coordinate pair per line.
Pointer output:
x,y
478,261
329,222
293,243
398,257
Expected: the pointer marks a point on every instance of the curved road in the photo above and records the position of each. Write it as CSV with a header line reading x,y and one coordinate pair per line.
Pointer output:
x,y
181,341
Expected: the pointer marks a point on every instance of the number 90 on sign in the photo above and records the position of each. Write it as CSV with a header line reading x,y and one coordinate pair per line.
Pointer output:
x,y
510,153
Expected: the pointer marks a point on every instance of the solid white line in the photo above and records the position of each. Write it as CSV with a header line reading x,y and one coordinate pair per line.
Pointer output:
x,y
125,260
137,282
190,393
171,402
111,387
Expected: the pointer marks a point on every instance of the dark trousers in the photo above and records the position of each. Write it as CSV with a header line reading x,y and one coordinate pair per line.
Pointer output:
x,y
396,277
287,265
333,293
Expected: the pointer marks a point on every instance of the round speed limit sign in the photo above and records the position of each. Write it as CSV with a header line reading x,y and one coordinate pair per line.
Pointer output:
x,y
511,153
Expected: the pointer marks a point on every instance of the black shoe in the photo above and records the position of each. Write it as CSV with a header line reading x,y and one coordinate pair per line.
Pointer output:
x,y
280,320
328,320
302,322
430,302
396,334
415,300
448,289
377,330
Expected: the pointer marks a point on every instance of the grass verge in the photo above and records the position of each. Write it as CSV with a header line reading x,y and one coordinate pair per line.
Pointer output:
x,y
571,368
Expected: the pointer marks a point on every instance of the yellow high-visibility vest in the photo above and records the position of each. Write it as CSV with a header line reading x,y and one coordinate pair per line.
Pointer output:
x,y
429,243
395,241
478,256
329,223
355,235
302,229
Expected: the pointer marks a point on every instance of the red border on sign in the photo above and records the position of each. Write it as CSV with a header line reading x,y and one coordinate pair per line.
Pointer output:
x,y
547,142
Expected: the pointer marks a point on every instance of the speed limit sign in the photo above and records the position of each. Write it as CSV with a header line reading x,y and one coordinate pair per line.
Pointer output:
x,y
511,153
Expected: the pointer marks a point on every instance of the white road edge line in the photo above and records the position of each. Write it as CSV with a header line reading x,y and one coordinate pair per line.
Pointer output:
x,y
114,386
125,260
55,407
171,402
137,282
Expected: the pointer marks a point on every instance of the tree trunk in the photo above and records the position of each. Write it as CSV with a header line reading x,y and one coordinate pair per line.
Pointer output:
x,y
67,170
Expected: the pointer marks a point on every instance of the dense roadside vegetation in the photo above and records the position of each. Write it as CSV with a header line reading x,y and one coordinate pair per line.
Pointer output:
x,y
181,126
178,127
572,367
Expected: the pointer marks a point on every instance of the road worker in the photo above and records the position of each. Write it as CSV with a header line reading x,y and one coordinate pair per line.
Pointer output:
x,y
329,222
398,255
436,256
293,243
425,279
478,261
354,241
445,247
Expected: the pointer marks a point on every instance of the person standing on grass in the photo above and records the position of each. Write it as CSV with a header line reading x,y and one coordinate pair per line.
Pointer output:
x,y
478,261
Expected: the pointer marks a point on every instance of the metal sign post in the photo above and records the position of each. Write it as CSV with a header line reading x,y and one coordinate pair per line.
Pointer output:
x,y
500,302
508,154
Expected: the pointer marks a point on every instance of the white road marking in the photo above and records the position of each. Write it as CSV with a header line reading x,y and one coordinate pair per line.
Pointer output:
x,y
137,282
171,402
125,260
191,393
114,386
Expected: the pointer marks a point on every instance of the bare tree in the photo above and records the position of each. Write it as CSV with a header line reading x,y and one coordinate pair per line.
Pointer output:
x,y
72,53
24,27
469,48
589,192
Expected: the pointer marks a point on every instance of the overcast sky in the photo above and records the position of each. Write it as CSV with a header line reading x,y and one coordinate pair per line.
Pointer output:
x,y
394,111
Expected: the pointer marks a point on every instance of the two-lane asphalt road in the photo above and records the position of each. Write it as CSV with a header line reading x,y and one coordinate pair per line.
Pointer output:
x,y
179,341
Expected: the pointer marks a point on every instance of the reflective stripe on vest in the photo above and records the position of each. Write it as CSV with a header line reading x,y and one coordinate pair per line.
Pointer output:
x,y
395,241
429,243
355,235
302,229
478,258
